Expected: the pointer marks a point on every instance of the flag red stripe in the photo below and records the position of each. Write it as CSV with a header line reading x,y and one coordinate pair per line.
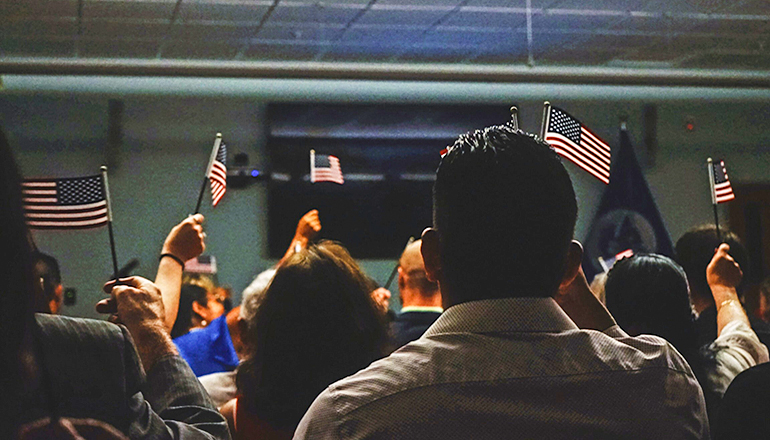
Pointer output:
x,y
40,200
68,224
602,167
39,184
68,215
578,156
33,206
577,162
41,192
602,146
594,150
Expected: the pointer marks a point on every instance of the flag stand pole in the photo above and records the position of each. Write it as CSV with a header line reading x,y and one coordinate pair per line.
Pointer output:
x,y
546,111
217,141
106,188
712,184
515,117
398,263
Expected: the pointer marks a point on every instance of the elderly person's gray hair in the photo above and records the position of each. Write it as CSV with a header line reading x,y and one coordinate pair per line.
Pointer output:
x,y
252,295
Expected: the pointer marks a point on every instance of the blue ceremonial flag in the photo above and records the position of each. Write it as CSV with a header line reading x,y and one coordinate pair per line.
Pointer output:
x,y
628,217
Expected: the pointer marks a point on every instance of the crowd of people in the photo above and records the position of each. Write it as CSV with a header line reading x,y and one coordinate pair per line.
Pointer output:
x,y
499,334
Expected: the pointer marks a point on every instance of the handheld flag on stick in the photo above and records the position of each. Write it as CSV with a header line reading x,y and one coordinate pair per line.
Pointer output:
x,y
576,142
609,262
325,168
70,203
721,190
216,174
398,262
106,188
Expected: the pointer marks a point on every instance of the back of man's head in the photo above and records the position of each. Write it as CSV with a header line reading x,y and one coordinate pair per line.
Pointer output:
x,y
695,249
505,212
412,275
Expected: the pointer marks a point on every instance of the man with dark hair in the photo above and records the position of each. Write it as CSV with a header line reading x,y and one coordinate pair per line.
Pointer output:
x,y
523,348
694,251
420,297
49,296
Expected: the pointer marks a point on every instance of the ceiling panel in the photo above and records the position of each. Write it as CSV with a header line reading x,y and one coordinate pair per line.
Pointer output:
x,y
439,36
200,50
402,16
296,31
474,18
761,7
38,8
138,10
47,26
395,36
315,13
198,32
119,49
224,11
110,29
280,52
709,34
37,47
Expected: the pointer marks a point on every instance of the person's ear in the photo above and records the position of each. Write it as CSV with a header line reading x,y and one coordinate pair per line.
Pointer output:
x,y
572,266
401,278
430,248
202,311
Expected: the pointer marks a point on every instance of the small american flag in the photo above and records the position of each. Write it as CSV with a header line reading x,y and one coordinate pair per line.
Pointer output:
x,y
72,203
218,175
607,263
201,264
723,191
325,168
573,140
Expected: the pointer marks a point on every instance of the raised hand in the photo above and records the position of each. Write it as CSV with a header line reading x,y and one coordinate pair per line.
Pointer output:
x,y
186,240
308,226
723,270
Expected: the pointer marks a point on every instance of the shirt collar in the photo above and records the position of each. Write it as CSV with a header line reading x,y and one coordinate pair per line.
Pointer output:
x,y
421,309
503,315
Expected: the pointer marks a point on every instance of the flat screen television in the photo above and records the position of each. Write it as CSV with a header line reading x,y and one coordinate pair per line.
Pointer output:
x,y
388,155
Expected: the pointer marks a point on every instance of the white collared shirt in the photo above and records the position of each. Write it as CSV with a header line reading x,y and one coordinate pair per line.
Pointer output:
x,y
515,368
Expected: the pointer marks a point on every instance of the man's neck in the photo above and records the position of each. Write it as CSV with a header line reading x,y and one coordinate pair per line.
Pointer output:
x,y
415,299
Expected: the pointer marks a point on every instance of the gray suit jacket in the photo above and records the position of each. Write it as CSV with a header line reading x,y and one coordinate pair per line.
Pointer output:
x,y
94,372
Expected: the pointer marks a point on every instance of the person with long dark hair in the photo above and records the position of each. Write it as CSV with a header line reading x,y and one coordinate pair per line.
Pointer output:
x,y
315,324
649,294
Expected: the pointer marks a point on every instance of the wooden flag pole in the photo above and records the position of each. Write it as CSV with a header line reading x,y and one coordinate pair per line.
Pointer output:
x,y
217,141
515,117
106,188
712,185
398,262
546,111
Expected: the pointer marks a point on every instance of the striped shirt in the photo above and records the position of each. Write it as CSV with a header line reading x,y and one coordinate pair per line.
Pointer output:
x,y
515,368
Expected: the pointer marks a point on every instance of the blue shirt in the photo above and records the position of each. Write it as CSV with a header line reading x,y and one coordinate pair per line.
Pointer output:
x,y
209,350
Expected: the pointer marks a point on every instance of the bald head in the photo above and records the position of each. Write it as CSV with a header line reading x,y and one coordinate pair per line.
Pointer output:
x,y
411,259
413,284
